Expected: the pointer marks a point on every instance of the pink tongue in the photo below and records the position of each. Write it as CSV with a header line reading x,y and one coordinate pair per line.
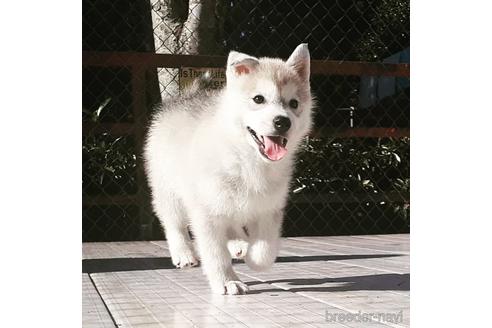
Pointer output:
x,y
273,150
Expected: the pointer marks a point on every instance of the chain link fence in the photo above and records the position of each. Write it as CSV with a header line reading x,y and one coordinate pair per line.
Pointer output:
x,y
352,176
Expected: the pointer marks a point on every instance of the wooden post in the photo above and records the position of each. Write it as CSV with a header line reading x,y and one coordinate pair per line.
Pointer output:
x,y
140,119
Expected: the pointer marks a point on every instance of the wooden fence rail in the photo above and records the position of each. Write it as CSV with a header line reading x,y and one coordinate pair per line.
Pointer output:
x,y
152,60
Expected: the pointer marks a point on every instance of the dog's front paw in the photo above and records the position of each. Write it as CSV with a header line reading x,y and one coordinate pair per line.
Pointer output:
x,y
236,287
238,248
232,287
261,255
184,258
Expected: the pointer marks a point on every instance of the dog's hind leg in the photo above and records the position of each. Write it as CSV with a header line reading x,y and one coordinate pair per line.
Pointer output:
x,y
237,242
171,213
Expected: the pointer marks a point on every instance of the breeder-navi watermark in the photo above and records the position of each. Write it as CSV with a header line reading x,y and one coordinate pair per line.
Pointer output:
x,y
393,317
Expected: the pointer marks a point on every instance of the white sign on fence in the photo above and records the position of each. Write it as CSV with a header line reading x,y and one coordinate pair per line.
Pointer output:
x,y
188,74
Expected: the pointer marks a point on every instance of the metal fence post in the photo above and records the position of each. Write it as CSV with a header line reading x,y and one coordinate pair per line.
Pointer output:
x,y
140,119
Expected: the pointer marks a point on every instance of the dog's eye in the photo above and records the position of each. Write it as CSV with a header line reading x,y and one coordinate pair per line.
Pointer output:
x,y
259,99
293,103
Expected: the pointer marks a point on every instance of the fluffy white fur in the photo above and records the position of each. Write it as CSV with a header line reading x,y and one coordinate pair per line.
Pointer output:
x,y
205,169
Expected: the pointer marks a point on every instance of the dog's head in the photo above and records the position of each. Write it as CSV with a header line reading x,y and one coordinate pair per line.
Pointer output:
x,y
272,100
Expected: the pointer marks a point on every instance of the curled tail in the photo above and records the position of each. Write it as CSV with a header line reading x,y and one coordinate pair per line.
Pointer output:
x,y
201,83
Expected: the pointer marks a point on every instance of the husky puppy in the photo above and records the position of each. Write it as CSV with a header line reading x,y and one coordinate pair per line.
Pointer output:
x,y
221,162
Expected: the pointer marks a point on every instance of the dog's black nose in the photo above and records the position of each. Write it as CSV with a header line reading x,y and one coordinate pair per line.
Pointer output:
x,y
281,124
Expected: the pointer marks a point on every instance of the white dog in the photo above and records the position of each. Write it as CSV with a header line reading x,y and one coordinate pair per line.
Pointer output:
x,y
221,161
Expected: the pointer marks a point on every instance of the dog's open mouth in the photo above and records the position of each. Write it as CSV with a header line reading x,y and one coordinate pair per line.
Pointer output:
x,y
271,147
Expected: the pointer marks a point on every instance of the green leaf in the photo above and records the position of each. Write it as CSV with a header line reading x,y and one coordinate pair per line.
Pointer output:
x,y
398,159
97,113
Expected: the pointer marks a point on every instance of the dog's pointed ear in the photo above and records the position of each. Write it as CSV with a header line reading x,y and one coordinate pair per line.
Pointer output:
x,y
239,63
300,60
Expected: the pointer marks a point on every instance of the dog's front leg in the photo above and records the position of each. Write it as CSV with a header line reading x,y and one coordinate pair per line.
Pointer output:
x,y
211,238
264,241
